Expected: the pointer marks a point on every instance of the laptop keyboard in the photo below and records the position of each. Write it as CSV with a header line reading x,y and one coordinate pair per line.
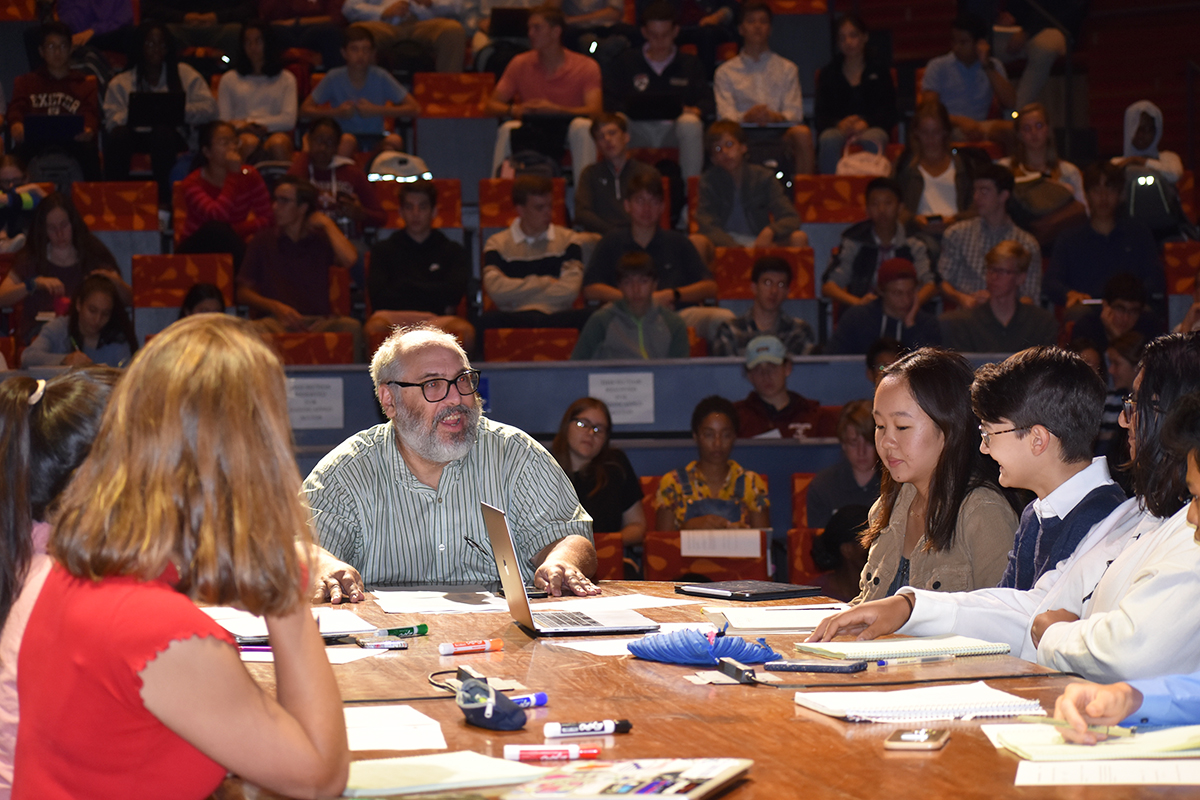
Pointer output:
x,y
564,619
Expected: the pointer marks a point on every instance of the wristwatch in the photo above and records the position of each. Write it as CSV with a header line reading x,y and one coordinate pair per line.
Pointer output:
x,y
675,293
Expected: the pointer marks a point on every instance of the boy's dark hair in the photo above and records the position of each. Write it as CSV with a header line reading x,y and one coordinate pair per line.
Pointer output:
x,y
1045,386
722,128
553,15
1001,177
659,11
885,185
972,24
609,118
306,193
1103,172
527,186
1181,430
1124,286
635,264
357,33
884,344
713,404
753,6
770,264
54,28
327,122
645,181
427,188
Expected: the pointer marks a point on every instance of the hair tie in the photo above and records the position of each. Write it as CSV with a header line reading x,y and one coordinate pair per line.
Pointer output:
x,y
38,392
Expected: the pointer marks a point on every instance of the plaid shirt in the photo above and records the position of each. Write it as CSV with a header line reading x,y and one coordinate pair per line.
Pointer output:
x,y
965,246
733,336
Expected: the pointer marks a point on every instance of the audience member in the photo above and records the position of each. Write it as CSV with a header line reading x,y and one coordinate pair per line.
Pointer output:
x,y
684,283
1086,258
258,96
963,262
605,481
18,199
741,204
854,480
54,89
544,83
533,270
46,429
706,24
839,553
647,83
935,183
1143,132
202,298
1049,400
1002,324
1038,40
95,331
1122,309
309,24
202,23
761,88
894,314
770,278
285,278
345,194
1048,196
103,25
595,27
226,200
1087,350
941,521
431,24
418,274
771,410
882,353
155,67
58,254
850,276
360,94
712,491
856,99
1122,359
634,326
603,186
372,497
206,391
967,79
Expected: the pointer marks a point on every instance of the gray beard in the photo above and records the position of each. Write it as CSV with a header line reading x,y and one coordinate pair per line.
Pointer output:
x,y
426,443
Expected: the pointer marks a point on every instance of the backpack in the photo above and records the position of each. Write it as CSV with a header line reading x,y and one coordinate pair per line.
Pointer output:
x,y
1154,201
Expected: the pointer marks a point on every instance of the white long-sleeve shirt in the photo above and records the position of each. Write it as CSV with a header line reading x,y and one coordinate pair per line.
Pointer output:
x,y
200,107
270,102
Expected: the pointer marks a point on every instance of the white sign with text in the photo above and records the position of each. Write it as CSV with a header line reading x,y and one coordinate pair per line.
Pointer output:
x,y
628,395
315,403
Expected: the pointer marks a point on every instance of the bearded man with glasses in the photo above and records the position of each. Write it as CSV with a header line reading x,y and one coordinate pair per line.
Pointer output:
x,y
398,504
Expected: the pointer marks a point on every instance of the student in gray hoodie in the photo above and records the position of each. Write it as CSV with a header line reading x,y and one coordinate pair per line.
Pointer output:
x,y
634,326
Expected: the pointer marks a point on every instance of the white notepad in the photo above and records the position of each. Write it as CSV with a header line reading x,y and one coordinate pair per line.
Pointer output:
x,y
961,701
436,773
943,645
763,620
1044,743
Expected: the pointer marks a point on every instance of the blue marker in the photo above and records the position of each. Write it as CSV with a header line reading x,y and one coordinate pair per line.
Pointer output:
x,y
529,700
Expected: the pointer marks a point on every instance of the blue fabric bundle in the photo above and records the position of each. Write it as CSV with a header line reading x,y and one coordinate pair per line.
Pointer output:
x,y
691,647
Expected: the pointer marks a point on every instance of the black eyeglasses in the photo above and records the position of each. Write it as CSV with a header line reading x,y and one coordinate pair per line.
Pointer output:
x,y
437,389
583,424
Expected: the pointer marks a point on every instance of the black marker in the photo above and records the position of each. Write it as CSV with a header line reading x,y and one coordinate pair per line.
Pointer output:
x,y
561,730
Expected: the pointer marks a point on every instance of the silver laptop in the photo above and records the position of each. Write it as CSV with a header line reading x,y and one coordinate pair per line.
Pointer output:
x,y
548,623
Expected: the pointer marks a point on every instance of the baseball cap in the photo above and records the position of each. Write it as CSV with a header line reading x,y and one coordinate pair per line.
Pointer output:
x,y
894,269
764,349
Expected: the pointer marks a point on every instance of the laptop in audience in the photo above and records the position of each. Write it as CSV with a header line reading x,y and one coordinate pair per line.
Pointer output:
x,y
151,109
52,128
549,623
653,106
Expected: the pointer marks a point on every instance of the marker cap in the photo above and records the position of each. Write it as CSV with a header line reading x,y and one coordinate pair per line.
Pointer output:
x,y
623,726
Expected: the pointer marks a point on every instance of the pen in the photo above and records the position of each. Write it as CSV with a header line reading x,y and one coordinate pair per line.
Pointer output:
x,y
1108,730
529,700
255,648
561,730
479,646
535,752
897,662
411,630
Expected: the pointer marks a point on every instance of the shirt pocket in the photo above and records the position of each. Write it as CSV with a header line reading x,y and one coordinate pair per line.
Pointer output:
x,y
950,578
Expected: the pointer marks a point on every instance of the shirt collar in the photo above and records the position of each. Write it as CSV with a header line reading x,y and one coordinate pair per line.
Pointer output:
x,y
756,62
520,237
658,66
1062,501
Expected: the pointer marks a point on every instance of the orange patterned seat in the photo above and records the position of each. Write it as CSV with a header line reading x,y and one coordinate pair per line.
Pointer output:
x,y
610,554
449,205
453,95
800,483
832,198
529,344
162,281
1187,194
663,561
496,209
782,7
305,349
801,567
18,11
733,266
117,205
1182,262
697,344
339,291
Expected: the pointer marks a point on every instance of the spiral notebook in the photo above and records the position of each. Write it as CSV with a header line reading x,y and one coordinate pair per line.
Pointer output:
x,y
944,645
961,701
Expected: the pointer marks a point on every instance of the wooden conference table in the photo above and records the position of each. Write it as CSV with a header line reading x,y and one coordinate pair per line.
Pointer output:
x,y
797,753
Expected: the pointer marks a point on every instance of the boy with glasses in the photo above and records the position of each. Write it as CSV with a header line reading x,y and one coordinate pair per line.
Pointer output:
x,y
1003,324
770,277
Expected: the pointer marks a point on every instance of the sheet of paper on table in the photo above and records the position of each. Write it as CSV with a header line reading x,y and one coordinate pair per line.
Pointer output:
x,y
392,728
765,620
336,655
439,772
399,602
614,602
1108,773
330,621
620,646
1045,743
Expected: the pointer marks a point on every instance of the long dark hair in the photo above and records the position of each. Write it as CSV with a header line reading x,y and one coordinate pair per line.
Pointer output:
x,y
1170,369
272,54
940,382
598,469
118,328
137,57
91,251
41,444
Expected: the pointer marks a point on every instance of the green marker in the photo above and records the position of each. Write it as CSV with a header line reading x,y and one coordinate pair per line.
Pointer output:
x,y
412,630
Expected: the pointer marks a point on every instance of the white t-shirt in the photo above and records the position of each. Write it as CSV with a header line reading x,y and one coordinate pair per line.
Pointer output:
x,y
940,195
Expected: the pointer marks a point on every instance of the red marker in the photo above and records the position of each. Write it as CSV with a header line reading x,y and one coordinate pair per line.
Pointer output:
x,y
480,646
537,752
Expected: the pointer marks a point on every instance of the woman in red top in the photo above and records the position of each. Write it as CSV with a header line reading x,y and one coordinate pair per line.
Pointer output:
x,y
227,201
190,494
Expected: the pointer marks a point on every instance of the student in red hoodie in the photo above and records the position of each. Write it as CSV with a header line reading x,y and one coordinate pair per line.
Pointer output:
x,y
56,89
345,192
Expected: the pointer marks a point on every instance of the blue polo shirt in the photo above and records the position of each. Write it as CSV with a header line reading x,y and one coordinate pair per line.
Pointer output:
x,y
964,90
379,88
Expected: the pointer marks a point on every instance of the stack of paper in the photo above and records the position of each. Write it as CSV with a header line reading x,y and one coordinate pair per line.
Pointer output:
x,y
962,701
436,773
422,602
1044,743
766,620
246,627
943,645
601,780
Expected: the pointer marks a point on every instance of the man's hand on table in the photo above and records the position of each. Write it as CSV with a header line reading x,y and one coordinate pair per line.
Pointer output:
x,y
335,581
558,576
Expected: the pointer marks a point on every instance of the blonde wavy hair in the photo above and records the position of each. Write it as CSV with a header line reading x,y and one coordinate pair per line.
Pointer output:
x,y
193,467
